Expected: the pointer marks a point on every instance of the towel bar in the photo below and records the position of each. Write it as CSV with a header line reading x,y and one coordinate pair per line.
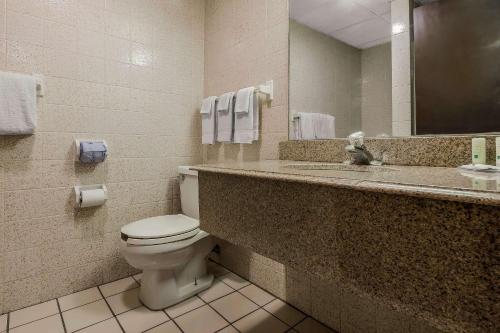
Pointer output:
x,y
266,89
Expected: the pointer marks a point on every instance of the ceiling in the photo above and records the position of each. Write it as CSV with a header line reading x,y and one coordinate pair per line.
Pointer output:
x,y
359,23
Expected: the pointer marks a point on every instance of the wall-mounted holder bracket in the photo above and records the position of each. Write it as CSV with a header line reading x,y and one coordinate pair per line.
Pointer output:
x,y
267,89
80,188
40,87
77,146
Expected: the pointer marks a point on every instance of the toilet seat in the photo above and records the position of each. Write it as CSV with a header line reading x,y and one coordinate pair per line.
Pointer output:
x,y
160,230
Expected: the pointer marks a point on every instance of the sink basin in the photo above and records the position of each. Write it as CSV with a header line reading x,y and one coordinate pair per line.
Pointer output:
x,y
340,167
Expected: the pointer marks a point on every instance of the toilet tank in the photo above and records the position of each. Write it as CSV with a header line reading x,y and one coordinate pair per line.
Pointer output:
x,y
188,181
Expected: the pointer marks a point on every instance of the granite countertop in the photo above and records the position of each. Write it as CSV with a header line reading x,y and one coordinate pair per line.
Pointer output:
x,y
419,181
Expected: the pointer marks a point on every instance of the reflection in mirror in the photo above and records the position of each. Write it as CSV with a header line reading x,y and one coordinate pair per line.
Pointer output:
x,y
340,68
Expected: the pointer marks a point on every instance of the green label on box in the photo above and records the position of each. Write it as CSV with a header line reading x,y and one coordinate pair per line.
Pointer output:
x,y
476,156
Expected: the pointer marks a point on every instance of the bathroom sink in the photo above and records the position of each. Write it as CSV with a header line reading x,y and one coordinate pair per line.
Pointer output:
x,y
340,167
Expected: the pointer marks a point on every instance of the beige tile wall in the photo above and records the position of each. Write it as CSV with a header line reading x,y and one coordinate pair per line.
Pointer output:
x,y
128,71
325,77
401,68
376,90
247,44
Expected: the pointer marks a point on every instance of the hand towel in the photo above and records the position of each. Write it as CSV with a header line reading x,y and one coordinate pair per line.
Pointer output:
x,y
225,117
246,116
304,126
208,121
324,126
17,104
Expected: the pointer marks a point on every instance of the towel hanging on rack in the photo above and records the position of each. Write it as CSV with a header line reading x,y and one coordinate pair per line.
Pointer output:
x,y
17,104
225,117
208,120
246,116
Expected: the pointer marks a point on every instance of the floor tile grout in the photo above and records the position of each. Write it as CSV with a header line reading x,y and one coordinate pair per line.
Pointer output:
x,y
230,325
261,307
215,309
97,322
177,325
60,315
77,291
300,321
76,307
110,309
170,318
275,297
165,310
31,322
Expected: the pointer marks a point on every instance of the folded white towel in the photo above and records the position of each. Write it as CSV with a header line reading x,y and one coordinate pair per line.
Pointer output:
x,y
304,126
324,126
246,116
225,117
311,126
208,120
17,104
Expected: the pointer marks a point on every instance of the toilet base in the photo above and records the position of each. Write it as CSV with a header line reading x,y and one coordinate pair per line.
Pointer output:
x,y
160,289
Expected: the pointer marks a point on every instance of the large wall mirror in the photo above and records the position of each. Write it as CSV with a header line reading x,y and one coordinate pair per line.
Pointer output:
x,y
394,67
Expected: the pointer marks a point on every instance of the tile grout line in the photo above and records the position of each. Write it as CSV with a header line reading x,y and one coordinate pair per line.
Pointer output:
x,y
230,323
28,306
275,298
119,292
60,315
169,320
208,304
110,309
234,321
173,319
100,321
262,307
177,325
165,310
227,327
31,322
300,321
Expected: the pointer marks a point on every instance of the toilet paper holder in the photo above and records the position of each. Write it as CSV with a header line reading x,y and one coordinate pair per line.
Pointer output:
x,y
82,188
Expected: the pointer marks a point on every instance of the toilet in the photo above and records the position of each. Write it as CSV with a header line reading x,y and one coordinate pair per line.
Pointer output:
x,y
171,250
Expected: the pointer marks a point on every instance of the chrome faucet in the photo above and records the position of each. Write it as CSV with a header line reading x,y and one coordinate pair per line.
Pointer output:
x,y
358,151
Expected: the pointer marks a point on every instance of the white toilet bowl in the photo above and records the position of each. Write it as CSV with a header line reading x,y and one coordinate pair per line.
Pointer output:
x,y
171,251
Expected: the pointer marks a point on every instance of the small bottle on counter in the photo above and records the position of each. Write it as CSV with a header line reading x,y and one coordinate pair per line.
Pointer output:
x,y
497,154
478,151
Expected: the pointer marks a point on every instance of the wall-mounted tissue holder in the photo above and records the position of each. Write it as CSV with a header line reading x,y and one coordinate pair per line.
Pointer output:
x,y
90,195
90,151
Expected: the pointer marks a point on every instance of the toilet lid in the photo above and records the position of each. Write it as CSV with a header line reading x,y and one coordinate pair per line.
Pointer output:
x,y
161,226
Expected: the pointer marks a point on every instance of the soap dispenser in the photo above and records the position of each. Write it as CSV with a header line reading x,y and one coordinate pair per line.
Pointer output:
x,y
478,151
497,152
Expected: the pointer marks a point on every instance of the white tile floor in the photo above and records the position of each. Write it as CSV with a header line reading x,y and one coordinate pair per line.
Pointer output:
x,y
232,304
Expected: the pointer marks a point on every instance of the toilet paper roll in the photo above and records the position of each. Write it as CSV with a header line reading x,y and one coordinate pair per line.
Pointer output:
x,y
92,198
